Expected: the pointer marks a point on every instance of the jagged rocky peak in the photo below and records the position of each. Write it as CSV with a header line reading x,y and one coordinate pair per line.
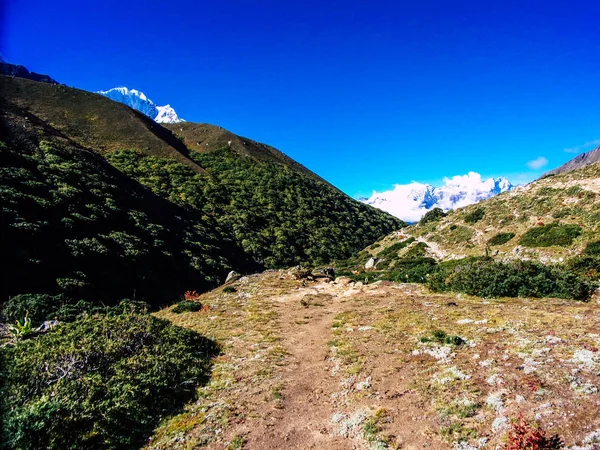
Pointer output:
x,y
410,202
138,100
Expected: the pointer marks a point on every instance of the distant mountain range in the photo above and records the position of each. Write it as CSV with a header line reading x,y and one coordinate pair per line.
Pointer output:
x,y
410,202
138,100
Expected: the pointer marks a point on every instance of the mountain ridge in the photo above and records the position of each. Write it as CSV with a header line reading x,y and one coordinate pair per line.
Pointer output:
x,y
139,101
582,160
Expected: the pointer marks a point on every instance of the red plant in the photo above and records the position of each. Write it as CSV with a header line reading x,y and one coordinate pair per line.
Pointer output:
x,y
525,436
191,295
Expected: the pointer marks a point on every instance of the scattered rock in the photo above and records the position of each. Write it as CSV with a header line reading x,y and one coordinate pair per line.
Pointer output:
x,y
372,263
232,276
47,326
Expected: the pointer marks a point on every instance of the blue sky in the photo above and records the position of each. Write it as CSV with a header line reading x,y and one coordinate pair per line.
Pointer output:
x,y
365,93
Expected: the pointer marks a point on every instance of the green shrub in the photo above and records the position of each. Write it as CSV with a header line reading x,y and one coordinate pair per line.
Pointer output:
x,y
501,238
593,248
475,216
431,216
441,337
411,270
551,234
485,277
40,307
587,267
417,251
102,382
187,306
229,290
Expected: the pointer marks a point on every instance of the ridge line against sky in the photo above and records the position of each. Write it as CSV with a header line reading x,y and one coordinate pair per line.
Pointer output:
x,y
366,95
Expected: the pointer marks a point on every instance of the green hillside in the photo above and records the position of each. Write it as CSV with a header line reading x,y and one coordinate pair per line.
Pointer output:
x,y
537,240
74,225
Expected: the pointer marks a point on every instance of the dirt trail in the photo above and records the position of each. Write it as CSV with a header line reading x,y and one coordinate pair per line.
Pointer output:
x,y
303,420
324,406
309,365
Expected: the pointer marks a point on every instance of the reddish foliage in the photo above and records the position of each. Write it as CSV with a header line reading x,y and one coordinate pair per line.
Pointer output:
x,y
524,436
191,295
590,347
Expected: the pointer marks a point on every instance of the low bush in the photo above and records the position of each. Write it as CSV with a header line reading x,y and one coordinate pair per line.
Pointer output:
x,y
501,238
551,234
100,382
485,277
229,290
187,306
592,249
525,436
441,337
587,267
411,270
416,251
40,307
431,216
475,216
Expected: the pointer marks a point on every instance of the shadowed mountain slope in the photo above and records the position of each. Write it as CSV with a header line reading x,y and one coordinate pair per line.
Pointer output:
x,y
591,157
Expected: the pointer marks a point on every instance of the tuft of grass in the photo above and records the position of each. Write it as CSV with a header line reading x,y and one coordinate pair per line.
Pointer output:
x,y
441,337
187,306
229,290
237,443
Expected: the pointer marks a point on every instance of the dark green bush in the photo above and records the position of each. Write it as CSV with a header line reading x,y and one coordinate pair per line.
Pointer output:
x,y
593,248
485,277
417,251
501,238
441,337
40,307
587,267
411,270
551,234
431,216
187,306
229,290
475,216
99,383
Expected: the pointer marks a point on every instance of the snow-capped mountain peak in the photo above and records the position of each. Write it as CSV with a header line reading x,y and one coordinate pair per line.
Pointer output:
x,y
410,202
138,100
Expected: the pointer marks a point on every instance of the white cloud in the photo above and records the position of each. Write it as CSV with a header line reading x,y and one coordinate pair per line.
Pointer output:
x,y
537,163
583,147
410,202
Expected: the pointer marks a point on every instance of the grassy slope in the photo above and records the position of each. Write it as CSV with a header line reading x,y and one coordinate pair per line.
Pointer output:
x,y
203,137
93,120
571,198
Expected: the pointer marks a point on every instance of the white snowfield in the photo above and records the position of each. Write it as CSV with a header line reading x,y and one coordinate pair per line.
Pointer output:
x,y
138,100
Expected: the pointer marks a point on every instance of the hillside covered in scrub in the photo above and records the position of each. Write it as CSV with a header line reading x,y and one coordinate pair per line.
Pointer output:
x,y
539,240
92,189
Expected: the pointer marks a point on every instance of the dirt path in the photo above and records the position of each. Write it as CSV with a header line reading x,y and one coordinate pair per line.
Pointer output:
x,y
303,418
341,366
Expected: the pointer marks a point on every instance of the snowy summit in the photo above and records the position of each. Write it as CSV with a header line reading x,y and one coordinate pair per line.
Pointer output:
x,y
138,100
410,202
